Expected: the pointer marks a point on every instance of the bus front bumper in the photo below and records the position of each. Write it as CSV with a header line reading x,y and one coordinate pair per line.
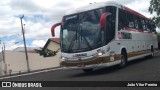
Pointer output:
x,y
94,66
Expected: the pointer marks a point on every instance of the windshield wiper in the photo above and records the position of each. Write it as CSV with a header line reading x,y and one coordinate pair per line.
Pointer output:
x,y
87,43
72,42
74,38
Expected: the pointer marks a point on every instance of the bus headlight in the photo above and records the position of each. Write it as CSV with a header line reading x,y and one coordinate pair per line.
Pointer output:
x,y
63,59
100,54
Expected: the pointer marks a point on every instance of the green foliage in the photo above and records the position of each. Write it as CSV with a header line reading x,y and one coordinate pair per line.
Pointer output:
x,y
155,8
46,52
157,21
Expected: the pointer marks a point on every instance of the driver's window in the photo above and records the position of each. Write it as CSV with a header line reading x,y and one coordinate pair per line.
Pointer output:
x,y
110,22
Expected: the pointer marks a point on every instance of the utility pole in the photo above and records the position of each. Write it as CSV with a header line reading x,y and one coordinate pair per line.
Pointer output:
x,y
24,40
3,50
3,54
4,47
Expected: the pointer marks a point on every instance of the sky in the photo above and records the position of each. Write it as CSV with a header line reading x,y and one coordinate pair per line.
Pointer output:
x,y
40,15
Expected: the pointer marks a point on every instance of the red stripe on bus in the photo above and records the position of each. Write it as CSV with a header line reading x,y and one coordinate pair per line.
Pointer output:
x,y
134,12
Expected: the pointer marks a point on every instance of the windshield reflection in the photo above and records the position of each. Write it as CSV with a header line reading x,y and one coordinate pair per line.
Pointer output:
x,y
81,32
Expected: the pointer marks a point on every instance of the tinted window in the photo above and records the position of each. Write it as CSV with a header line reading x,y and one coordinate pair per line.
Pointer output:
x,y
153,26
127,19
130,20
110,23
122,19
137,22
90,27
148,26
143,24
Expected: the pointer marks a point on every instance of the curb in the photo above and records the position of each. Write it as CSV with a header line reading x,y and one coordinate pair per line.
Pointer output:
x,y
30,73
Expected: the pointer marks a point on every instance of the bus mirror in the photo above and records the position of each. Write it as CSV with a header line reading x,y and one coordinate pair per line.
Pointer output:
x,y
103,19
53,28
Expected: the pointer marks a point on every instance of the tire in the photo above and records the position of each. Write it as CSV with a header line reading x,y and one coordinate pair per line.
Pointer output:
x,y
123,59
88,70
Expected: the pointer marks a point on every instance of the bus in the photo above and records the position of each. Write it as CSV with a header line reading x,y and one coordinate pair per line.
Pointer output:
x,y
104,34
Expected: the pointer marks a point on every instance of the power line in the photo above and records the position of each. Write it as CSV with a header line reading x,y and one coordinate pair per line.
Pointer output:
x,y
11,35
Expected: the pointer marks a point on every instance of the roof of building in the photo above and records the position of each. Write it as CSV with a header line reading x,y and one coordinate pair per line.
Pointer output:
x,y
29,49
57,40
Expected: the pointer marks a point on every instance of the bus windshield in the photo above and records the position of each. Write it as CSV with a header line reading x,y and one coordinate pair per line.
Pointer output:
x,y
81,32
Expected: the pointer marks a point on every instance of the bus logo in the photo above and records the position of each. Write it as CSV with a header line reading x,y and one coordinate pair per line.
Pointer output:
x,y
81,55
6,84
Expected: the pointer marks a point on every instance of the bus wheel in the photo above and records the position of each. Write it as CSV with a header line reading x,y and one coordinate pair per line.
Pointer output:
x,y
88,70
123,59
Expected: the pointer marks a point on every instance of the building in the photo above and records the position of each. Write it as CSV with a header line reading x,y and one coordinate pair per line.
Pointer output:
x,y
15,61
52,42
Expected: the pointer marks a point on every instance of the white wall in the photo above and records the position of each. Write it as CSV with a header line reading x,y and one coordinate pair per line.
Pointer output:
x,y
37,62
16,61
53,44
1,72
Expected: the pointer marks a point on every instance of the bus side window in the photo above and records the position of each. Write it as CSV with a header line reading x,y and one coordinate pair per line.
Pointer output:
x,y
143,24
137,22
130,20
112,10
152,26
110,22
148,26
122,19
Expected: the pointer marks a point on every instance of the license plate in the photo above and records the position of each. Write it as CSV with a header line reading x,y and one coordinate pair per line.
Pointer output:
x,y
81,65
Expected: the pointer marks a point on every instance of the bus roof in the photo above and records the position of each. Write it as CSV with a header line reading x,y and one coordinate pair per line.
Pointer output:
x,y
103,4
92,6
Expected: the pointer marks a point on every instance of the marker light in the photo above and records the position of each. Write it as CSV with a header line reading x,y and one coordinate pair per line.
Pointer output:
x,y
100,54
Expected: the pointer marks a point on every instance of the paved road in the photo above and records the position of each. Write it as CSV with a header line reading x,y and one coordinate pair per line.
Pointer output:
x,y
140,70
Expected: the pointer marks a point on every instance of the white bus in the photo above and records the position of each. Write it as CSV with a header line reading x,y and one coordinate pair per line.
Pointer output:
x,y
104,34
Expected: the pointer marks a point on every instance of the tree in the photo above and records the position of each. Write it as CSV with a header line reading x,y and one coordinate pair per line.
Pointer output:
x,y
46,52
155,8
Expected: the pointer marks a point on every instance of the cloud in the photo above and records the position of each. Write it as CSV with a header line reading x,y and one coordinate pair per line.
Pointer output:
x,y
10,45
9,26
140,6
38,43
40,15
38,30
24,7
